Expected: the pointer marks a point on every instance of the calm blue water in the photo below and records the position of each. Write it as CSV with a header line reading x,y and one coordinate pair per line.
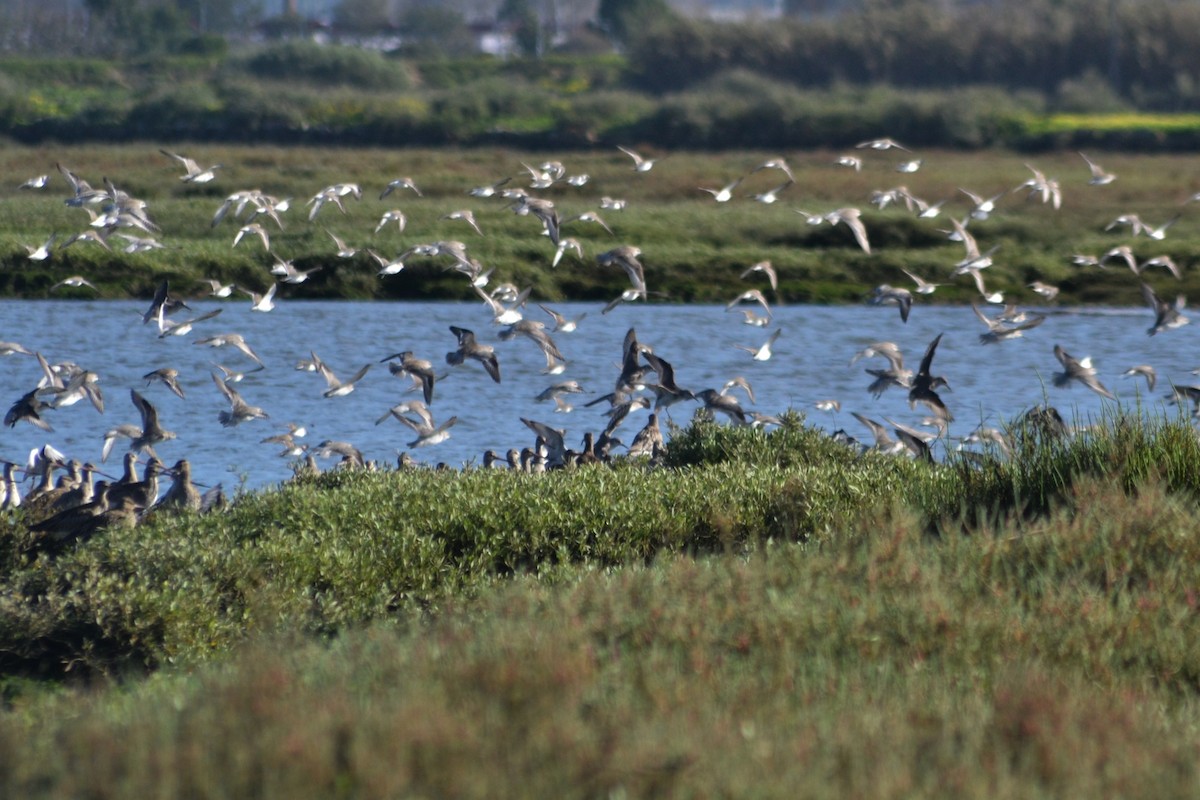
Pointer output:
x,y
810,363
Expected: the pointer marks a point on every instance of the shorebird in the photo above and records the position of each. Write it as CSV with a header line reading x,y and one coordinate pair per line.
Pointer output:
x,y
1078,370
883,440
649,440
546,176
728,405
924,385
885,294
561,323
765,268
42,251
169,378
67,384
400,183
74,281
536,331
468,347
982,207
264,205
929,210
612,203
589,216
427,434
1047,188
542,209
408,407
750,296
1123,252
888,350
894,375
923,286
218,289
261,302
287,440
851,218
854,162
387,266
995,298
14,348
193,171
1166,315
725,193
916,442
1136,226
290,274
1181,394
239,410
626,257
36,182
666,391
1166,262
771,195
908,167
1146,371
337,388
775,163
998,331
882,144
466,215
343,250
394,215
183,494
152,431
1099,176
139,244
167,327
233,340
419,368
352,457
1160,233
621,409
973,260
1044,290
95,237
253,229
556,390
639,164
235,376
27,408
162,304
320,199
749,317
763,351
505,314
490,189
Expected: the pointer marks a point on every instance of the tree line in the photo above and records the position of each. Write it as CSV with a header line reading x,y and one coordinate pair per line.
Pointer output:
x,y
937,74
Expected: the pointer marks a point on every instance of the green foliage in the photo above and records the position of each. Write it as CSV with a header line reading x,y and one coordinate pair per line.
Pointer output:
x,y
624,19
326,65
1054,656
434,31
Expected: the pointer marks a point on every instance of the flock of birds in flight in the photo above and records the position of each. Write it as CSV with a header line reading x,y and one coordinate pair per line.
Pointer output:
x,y
75,506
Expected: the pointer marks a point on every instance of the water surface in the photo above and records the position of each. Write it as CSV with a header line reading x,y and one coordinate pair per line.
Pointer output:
x,y
810,363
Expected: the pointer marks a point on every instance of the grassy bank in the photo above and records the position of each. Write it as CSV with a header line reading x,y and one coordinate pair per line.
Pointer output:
x,y
766,611
694,250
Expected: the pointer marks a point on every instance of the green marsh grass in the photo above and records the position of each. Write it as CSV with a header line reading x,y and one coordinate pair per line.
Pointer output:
x,y
693,249
1050,657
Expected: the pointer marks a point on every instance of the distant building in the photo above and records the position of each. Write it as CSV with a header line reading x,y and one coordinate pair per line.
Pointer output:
x,y
730,10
